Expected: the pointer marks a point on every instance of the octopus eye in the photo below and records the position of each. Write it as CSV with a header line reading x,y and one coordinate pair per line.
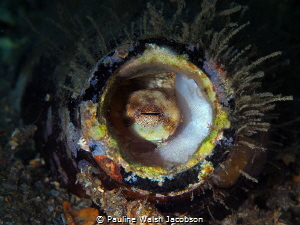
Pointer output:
x,y
167,121
153,115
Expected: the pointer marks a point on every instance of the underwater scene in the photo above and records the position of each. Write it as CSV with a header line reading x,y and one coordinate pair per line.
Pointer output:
x,y
149,112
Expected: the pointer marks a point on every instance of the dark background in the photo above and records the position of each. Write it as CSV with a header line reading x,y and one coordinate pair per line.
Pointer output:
x,y
275,25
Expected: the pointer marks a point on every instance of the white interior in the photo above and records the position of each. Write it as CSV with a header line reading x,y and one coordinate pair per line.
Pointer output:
x,y
197,117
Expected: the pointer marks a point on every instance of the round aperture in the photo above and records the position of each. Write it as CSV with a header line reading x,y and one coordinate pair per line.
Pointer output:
x,y
158,115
